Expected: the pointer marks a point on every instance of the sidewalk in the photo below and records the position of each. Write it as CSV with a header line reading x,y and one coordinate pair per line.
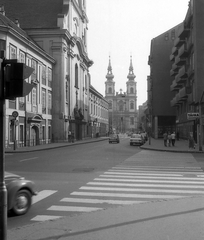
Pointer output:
x,y
53,145
180,146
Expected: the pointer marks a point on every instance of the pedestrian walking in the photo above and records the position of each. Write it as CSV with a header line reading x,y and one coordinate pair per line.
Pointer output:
x,y
191,141
173,138
165,139
169,139
69,136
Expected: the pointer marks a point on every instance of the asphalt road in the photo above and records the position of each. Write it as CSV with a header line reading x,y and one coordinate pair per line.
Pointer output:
x,y
59,172
91,177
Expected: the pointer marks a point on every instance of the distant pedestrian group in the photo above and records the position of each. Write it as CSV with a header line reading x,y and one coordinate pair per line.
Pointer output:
x,y
169,139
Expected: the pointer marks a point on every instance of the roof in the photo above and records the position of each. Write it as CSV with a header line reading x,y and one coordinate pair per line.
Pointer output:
x,y
33,13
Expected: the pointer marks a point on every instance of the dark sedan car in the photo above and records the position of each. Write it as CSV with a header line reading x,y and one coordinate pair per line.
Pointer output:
x,y
114,138
19,193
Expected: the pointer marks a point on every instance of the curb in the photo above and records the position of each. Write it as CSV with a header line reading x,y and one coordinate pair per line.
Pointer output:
x,y
170,150
53,147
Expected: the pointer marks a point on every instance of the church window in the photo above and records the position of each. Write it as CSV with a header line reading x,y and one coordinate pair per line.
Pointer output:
x,y
132,105
131,90
109,90
76,76
110,105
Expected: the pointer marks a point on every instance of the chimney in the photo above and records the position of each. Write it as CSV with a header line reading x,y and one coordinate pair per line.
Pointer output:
x,y
17,22
2,11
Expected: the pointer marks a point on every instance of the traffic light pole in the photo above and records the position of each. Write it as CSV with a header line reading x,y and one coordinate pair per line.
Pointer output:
x,y
3,191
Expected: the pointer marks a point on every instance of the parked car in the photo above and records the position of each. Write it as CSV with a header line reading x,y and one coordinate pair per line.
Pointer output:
x,y
114,138
19,193
136,139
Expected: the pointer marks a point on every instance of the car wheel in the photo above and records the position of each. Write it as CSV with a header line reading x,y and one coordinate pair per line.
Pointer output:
x,y
22,202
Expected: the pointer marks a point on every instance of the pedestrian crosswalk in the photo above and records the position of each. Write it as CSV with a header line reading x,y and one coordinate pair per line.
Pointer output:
x,y
123,185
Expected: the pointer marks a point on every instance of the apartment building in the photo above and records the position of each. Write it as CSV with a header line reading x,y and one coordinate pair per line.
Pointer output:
x,y
187,58
98,117
161,116
28,119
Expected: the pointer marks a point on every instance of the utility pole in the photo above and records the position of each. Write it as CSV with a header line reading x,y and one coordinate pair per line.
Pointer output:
x,y
3,191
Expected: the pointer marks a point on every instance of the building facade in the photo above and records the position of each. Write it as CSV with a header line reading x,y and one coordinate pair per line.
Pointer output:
x,y
187,69
160,115
28,119
61,33
98,117
122,105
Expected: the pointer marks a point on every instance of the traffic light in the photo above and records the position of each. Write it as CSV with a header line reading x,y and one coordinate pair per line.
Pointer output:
x,y
14,79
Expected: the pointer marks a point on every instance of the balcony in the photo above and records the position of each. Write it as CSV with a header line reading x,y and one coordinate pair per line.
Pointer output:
x,y
182,52
184,32
178,42
183,73
173,102
173,72
174,51
180,61
183,95
172,57
175,86
189,43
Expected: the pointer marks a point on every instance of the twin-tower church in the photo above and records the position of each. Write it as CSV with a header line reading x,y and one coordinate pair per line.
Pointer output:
x,y
122,105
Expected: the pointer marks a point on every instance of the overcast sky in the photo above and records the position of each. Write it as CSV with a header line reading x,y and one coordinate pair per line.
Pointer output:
x,y
119,29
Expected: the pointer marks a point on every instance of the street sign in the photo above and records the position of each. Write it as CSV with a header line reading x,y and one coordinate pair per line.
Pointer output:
x,y
192,116
15,114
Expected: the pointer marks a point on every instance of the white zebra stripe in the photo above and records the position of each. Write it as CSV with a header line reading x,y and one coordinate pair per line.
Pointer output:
x,y
154,171
145,185
146,181
126,195
100,201
73,209
142,190
42,218
149,177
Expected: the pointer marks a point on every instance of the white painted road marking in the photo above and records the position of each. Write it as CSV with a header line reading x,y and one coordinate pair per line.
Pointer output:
x,y
136,177
41,195
146,181
100,201
42,218
150,190
144,185
73,209
28,159
126,195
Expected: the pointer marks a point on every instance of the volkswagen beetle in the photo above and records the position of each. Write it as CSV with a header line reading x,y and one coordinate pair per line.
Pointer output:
x,y
19,193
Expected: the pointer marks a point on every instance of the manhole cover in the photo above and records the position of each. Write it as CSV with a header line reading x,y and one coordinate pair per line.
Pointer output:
x,y
83,169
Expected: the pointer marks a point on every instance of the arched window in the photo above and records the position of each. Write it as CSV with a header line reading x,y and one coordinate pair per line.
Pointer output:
x,y
85,82
132,105
76,76
110,105
131,90
109,90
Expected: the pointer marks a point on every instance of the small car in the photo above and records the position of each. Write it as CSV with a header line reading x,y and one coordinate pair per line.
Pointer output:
x,y
114,138
19,193
136,139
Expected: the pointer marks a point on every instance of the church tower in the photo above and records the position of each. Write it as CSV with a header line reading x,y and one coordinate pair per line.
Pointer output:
x,y
131,86
109,84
